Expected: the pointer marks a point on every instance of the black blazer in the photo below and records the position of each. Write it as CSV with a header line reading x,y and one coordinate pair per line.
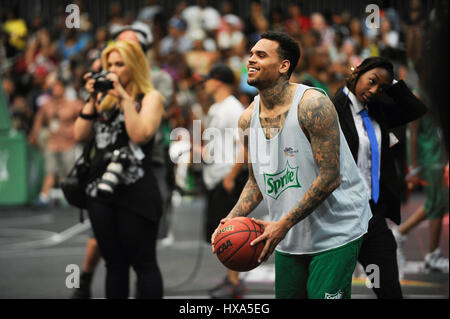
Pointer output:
x,y
395,108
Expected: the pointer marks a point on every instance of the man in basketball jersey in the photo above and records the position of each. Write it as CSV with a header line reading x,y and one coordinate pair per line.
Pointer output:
x,y
300,163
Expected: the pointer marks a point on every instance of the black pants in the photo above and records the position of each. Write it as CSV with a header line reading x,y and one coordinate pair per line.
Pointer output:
x,y
379,248
126,239
219,203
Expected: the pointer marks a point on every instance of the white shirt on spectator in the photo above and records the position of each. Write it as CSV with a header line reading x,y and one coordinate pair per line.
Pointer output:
x,y
364,161
196,18
222,118
169,44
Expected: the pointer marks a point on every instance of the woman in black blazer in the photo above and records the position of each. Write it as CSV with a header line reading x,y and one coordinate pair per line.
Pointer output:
x,y
370,106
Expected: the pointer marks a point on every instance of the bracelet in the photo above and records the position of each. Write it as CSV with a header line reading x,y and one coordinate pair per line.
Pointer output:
x,y
89,117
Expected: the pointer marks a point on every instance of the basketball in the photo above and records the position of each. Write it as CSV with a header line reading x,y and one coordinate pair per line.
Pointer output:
x,y
233,244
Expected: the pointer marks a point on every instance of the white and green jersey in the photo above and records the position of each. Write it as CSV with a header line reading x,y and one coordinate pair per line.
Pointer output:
x,y
284,168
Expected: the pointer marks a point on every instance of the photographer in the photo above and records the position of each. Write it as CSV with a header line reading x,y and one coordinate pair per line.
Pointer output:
x,y
122,116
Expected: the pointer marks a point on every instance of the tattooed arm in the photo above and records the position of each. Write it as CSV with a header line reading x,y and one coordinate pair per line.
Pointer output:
x,y
251,195
319,121
318,118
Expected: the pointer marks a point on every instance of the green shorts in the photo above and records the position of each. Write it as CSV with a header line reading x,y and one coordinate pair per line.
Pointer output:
x,y
436,191
325,275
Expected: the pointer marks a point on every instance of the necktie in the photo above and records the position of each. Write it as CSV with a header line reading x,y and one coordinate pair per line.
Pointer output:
x,y
375,156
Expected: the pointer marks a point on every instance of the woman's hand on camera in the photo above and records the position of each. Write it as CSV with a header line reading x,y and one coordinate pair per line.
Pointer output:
x,y
89,86
118,90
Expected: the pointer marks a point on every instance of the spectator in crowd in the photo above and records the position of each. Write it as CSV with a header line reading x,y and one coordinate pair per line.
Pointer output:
x,y
100,39
320,25
58,115
177,40
349,53
276,20
341,23
413,27
356,35
388,38
3,49
9,88
21,114
231,35
334,51
317,61
16,29
201,17
199,59
70,44
148,13
40,88
40,53
390,13
256,22
116,20
297,23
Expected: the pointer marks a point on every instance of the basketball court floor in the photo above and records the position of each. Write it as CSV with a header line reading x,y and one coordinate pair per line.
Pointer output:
x,y
40,248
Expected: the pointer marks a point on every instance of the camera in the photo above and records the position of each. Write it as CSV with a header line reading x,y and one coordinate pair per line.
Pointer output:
x,y
102,84
113,175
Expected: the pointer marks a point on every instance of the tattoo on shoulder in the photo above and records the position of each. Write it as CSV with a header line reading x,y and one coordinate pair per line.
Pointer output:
x,y
317,113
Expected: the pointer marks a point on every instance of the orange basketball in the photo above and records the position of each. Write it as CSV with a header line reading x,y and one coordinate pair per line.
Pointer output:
x,y
233,244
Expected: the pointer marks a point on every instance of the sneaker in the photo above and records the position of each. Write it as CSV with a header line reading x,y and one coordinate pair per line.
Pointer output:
x,y
401,259
81,293
168,240
43,201
434,261
227,290
399,238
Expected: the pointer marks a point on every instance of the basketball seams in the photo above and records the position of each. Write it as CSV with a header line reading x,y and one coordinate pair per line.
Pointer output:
x,y
237,249
254,248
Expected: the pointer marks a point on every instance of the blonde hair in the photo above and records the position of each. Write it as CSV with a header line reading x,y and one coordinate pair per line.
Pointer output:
x,y
135,61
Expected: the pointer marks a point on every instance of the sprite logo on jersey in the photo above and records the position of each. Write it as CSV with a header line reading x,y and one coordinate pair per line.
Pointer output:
x,y
277,183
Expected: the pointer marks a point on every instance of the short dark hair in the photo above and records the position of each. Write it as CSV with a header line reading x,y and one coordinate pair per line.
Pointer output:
x,y
60,79
367,65
288,48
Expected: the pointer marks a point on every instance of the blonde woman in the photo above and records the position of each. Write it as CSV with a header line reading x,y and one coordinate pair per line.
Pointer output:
x,y
124,201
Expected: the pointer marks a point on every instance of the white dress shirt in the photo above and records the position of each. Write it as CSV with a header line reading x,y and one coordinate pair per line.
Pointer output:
x,y
364,161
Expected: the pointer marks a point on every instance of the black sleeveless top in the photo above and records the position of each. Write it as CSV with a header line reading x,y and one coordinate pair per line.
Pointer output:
x,y
138,190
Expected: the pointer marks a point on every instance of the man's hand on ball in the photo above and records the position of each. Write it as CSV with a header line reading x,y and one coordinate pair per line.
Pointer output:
x,y
214,235
274,232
